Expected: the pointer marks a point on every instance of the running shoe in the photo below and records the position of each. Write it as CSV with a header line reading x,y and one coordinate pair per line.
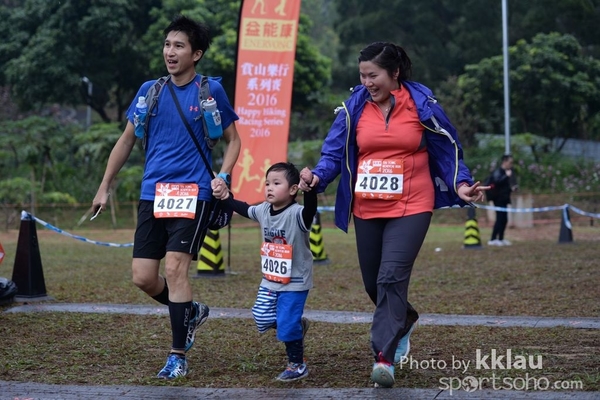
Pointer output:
x,y
383,372
293,372
200,312
176,367
404,345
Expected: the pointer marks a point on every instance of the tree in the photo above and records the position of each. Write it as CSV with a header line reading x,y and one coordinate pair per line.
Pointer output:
x,y
14,196
451,97
555,90
129,186
442,36
438,35
30,143
54,44
117,45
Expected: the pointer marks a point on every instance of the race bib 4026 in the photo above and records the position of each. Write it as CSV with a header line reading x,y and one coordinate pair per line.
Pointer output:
x,y
276,262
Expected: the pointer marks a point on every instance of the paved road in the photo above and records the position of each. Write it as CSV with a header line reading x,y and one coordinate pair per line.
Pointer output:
x,y
36,391
323,316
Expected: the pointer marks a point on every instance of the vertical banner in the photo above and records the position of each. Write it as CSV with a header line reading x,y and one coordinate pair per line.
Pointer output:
x,y
263,91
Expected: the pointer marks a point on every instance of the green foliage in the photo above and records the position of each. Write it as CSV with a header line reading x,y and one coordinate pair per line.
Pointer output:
x,y
95,144
31,142
57,198
61,159
560,175
322,34
15,191
548,174
555,81
54,44
117,45
312,70
451,97
442,36
130,181
554,89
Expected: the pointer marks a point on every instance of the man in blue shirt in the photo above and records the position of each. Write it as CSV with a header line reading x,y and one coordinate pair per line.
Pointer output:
x,y
176,186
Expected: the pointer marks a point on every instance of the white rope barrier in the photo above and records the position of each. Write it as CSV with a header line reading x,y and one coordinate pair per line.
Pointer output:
x,y
565,207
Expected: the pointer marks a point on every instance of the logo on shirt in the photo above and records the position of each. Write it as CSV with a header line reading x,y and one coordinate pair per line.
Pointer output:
x,y
164,189
366,167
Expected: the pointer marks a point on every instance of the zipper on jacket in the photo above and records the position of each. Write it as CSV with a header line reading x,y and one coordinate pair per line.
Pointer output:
x,y
387,117
441,131
351,191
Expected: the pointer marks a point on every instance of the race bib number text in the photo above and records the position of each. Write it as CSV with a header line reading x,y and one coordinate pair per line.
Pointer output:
x,y
175,200
380,179
276,262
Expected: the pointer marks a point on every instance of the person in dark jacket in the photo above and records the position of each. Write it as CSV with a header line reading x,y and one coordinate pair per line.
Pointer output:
x,y
399,158
504,183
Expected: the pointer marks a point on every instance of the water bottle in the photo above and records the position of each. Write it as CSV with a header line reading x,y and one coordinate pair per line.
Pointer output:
x,y
139,117
212,118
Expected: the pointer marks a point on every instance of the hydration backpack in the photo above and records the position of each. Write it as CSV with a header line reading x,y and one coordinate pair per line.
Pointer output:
x,y
152,100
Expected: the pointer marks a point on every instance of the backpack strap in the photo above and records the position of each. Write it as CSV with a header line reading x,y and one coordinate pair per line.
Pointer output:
x,y
154,92
204,94
152,102
204,88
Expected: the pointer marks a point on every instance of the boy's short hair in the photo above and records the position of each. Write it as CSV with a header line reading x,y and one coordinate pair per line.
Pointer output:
x,y
292,175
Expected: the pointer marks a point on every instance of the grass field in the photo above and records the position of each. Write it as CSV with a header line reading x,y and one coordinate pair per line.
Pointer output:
x,y
536,277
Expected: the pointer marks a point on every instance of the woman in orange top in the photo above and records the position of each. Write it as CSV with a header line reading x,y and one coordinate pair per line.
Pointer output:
x,y
399,158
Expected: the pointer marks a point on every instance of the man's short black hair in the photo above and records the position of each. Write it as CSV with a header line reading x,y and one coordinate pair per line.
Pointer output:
x,y
198,33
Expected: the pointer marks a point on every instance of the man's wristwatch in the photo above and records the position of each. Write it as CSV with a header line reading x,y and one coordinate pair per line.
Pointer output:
x,y
226,177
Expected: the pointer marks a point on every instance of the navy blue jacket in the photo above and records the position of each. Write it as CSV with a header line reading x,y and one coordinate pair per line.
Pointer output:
x,y
339,154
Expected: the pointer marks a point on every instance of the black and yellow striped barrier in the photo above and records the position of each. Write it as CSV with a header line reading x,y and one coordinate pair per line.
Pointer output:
x,y
472,238
210,260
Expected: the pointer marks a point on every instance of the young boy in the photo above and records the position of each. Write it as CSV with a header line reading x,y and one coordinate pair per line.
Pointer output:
x,y
286,260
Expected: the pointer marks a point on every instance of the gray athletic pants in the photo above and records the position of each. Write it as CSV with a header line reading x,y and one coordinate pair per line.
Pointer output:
x,y
387,249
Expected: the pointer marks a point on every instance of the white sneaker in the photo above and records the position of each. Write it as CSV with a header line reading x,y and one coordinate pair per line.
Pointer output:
x,y
505,242
495,242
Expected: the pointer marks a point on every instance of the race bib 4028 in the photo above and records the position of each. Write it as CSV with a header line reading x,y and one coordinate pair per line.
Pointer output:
x,y
380,179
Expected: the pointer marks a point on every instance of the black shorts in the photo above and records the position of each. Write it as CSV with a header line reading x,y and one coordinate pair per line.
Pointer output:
x,y
155,236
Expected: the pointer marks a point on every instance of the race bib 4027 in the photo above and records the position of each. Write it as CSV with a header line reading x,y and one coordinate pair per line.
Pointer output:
x,y
175,200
